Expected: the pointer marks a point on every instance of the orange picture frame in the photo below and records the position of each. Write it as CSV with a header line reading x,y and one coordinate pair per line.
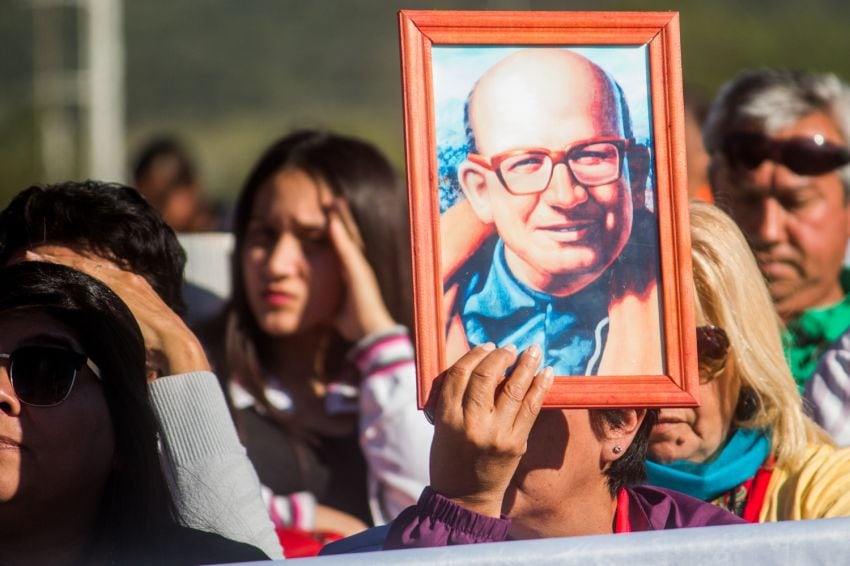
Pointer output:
x,y
672,378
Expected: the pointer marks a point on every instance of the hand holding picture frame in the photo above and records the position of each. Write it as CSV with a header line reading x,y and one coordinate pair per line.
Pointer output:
x,y
545,163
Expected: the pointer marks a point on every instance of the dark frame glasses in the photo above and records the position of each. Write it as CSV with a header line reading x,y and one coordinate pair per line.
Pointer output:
x,y
712,352
43,376
526,171
807,156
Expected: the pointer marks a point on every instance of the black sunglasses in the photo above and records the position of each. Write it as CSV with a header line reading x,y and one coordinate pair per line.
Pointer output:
x,y
712,352
42,376
808,156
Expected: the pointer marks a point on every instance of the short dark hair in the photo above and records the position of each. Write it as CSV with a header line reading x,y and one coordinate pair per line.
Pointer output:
x,y
110,219
137,505
165,146
630,468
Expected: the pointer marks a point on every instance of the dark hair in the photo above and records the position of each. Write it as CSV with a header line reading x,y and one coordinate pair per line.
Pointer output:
x,y
359,173
137,505
110,219
630,468
165,146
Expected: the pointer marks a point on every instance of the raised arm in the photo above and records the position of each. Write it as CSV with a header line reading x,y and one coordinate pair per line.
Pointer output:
x,y
481,432
394,435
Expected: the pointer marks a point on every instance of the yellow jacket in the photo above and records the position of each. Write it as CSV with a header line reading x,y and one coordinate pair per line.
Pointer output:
x,y
818,488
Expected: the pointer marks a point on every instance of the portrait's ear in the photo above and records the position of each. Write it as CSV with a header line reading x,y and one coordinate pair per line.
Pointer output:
x,y
638,162
616,439
473,182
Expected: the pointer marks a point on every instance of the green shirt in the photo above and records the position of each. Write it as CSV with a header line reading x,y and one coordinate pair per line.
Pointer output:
x,y
807,337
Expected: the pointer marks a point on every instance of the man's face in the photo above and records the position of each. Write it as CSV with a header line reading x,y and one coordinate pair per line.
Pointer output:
x,y
797,225
564,237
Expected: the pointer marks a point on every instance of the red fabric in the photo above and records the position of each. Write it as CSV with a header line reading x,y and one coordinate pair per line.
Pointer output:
x,y
300,544
758,490
621,521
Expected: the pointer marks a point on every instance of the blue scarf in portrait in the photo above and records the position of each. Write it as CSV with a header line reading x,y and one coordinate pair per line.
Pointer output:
x,y
496,307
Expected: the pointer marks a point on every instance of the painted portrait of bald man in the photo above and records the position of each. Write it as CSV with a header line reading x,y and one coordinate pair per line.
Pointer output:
x,y
548,232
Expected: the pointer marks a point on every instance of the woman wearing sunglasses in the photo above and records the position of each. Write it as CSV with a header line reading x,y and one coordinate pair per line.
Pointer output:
x,y
80,481
748,447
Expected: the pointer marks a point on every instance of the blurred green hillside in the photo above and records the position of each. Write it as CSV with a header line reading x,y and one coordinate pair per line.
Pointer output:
x,y
231,76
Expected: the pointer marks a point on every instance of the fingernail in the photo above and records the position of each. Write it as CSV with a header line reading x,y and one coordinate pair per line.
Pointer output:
x,y
488,346
510,348
548,376
534,351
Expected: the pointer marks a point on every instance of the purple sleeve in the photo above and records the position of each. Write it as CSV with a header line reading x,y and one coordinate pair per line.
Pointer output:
x,y
656,508
438,521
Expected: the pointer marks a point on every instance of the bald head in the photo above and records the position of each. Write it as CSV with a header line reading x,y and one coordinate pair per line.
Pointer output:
x,y
563,223
517,100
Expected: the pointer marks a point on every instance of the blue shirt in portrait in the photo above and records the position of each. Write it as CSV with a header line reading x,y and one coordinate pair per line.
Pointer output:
x,y
571,331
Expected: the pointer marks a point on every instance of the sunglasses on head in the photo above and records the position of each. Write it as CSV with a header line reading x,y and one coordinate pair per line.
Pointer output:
x,y
807,156
712,351
43,376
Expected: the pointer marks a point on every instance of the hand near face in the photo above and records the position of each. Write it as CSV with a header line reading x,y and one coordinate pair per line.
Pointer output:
x,y
170,346
482,424
362,311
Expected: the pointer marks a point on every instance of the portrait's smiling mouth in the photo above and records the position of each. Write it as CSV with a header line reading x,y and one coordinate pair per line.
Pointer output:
x,y
569,231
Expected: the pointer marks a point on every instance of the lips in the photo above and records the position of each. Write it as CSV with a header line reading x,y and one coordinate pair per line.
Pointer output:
x,y
7,443
778,269
667,422
278,298
566,232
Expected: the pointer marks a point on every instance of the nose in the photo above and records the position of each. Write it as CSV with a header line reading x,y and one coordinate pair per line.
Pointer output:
x,y
286,257
563,191
770,218
9,403
770,227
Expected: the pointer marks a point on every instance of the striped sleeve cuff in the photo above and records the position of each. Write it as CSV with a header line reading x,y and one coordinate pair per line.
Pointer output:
x,y
382,350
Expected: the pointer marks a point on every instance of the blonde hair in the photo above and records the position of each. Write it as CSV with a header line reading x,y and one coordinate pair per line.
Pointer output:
x,y
731,293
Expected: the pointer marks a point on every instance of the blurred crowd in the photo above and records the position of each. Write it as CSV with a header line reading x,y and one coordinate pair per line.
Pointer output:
x,y
132,432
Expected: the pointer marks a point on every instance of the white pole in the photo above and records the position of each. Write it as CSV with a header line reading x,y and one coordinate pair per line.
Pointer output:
x,y
105,88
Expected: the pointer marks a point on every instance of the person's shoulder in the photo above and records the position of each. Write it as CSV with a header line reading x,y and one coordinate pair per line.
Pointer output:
x,y
370,540
658,508
185,545
824,458
820,483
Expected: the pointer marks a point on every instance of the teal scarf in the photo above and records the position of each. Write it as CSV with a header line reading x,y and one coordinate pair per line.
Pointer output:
x,y
739,460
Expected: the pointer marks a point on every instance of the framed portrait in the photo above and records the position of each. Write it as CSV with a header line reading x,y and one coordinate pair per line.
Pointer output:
x,y
545,166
